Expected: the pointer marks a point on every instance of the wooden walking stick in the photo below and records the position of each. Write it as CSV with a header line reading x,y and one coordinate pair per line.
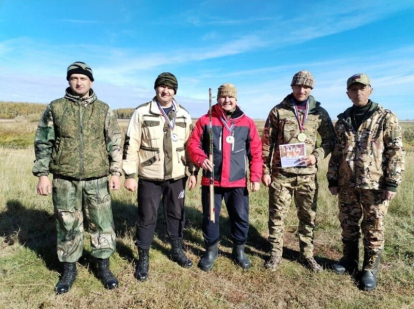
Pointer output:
x,y
210,157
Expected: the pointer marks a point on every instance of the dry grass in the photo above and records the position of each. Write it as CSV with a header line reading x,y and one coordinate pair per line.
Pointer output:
x,y
29,269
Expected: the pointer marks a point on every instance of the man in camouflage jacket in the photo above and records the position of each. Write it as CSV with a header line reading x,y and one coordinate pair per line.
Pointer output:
x,y
297,119
364,170
78,140
155,148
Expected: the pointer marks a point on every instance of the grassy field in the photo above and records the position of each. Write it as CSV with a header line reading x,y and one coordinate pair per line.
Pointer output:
x,y
29,268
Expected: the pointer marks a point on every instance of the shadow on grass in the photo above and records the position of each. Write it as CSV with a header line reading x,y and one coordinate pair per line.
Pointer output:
x,y
32,228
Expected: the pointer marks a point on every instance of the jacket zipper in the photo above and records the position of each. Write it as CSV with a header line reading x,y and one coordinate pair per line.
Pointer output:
x,y
80,141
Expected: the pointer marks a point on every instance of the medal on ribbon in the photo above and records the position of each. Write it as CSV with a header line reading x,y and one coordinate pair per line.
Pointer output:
x,y
301,136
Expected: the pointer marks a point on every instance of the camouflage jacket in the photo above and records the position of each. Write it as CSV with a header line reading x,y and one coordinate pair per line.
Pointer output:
x,y
78,138
282,127
152,148
371,157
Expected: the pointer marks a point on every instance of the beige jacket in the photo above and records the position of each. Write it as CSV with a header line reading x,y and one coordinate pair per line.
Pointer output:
x,y
152,148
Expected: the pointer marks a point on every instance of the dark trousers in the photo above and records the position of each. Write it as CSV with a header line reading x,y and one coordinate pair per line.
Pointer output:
x,y
237,203
149,196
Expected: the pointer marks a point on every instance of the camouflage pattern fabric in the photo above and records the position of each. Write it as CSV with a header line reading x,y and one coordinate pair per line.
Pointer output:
x,y
67,200
369,205
304,189
282,128
78,138
372,156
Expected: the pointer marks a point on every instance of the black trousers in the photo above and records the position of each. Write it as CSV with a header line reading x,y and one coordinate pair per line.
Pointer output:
x,y
237,203
149,197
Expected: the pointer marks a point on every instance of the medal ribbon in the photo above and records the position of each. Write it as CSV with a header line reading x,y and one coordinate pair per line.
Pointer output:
x,y
229,128
171,123
295,108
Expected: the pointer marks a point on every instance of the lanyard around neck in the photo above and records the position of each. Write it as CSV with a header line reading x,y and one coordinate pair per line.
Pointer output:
x,y
171,123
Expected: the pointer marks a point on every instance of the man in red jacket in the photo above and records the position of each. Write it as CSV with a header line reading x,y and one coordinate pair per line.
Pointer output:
x,y
236,144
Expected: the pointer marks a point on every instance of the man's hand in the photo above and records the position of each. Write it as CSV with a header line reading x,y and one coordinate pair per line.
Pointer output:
x,y
254,186
115,182
388,195
43,186
333,190
308,160
131,184
266,180
192,182
207,165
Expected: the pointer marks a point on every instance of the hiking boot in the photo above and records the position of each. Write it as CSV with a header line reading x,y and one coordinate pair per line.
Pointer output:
x,y
273,262
67,278
207,261
105,275
370,270
177,254
311,264
350,260
141,269
239,257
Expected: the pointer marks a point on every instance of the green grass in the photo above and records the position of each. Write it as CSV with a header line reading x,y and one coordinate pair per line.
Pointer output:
x,y
29,268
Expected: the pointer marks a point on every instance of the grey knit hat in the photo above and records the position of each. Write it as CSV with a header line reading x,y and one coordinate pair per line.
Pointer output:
x,y
167,79
304,78
79,67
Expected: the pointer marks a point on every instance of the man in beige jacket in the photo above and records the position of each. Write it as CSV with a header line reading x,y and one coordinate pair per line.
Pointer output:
x,y
155,147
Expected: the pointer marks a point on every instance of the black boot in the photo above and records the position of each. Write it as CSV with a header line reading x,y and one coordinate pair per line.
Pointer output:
x,y
239,257
105,275
350,260
177,254
67,278
207,261
370,270
141,269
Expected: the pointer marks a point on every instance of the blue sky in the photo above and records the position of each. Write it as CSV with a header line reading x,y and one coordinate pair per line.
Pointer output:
x,y
257,45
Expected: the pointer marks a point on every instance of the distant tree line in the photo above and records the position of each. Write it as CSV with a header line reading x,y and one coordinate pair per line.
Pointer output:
x,y
10,110
124,113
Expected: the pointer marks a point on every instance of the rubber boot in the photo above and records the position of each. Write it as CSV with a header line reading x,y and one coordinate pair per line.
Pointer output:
x,y
141,269
350,261
105,275
67,278
177,254
370,270
239,257
207,261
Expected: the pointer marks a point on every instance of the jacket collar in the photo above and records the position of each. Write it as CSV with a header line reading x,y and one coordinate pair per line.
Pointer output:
x,y
313,104
75,98
155,110
347,115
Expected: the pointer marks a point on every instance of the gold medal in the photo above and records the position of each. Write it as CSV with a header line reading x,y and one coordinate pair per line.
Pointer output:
x,y
301,137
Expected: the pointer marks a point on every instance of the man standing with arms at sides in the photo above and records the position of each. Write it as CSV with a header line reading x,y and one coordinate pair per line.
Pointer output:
x,y
364,171
236,145
297,119
155,147
78,140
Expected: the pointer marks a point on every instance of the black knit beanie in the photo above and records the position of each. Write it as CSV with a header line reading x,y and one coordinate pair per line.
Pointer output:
x,y
79,67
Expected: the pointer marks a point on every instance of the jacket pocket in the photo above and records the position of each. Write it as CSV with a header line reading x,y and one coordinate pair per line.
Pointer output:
x,y
149,155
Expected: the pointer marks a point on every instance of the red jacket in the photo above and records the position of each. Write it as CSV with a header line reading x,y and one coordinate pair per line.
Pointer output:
x,y
233,150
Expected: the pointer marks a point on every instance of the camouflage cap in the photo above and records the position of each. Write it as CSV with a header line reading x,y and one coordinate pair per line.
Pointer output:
x,y
79,67
358,78
227,90
167,79
304,78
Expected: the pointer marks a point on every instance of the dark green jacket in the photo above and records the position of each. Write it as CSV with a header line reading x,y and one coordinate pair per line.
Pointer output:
x,y
78,138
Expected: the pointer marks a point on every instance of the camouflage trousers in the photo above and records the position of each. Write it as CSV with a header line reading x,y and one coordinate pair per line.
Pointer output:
x,y
304,189
72,200
369,205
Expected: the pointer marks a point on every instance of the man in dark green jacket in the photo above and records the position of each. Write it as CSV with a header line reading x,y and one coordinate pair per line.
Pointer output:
x,y
78,140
